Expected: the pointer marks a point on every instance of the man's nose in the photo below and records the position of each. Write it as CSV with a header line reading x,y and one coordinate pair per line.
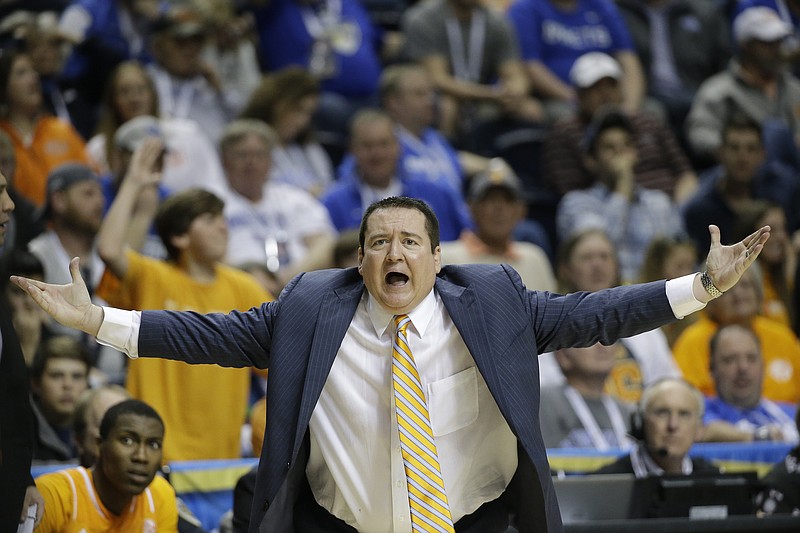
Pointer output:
x,y
395,251
140,453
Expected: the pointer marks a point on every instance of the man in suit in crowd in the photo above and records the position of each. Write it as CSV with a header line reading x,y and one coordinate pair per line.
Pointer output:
x,y
474,334
17,491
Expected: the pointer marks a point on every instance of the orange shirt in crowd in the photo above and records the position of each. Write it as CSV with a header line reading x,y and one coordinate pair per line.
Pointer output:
x,y
54,143
780,350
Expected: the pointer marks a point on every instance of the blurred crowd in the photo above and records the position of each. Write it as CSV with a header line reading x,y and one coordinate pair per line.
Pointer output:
x,y
199,154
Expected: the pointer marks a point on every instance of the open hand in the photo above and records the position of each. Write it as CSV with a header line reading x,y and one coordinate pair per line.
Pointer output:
x,y
69,304
726,264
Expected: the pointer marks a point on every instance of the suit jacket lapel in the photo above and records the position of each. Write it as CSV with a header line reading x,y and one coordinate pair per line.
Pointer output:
x,y
335,314
467,314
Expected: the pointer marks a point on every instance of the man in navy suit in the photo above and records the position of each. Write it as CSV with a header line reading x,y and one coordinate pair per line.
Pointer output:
x,y
17,490
331,459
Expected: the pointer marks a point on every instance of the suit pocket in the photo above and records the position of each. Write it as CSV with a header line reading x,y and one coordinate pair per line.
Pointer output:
x,y
446,414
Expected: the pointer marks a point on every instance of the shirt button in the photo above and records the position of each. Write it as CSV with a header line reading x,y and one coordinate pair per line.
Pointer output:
x,y
399,484
266,505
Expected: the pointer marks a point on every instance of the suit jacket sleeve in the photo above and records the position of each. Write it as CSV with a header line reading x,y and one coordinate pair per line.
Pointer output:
x,y
235,339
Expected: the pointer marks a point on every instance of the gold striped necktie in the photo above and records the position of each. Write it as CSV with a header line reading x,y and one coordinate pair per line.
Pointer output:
x,y
426,494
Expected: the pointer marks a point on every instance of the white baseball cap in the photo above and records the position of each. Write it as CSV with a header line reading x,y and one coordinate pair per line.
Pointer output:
x,y
593,67
760,23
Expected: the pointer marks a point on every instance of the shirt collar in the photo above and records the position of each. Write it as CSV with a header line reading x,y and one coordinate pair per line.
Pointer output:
x,y
420,316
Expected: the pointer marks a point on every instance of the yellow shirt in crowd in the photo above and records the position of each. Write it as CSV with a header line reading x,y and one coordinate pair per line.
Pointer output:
x,y
203,406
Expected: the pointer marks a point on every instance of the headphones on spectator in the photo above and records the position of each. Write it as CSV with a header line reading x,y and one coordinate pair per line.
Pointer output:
x,y
637,425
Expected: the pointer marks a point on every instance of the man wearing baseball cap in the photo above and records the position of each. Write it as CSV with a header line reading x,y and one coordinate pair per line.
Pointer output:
x,y
662,165
756,84
497,204
73,210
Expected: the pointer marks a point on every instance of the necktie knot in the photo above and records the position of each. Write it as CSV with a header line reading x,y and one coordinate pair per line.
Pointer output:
x,y
401,323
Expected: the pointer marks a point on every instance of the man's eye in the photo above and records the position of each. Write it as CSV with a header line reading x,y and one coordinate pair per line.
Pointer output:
x,y
155,445
127,441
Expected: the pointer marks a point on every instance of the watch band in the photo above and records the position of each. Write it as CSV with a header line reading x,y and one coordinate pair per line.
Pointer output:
x,y
709,286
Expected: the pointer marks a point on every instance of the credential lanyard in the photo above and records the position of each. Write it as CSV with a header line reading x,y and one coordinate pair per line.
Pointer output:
x,y
467,66
590,424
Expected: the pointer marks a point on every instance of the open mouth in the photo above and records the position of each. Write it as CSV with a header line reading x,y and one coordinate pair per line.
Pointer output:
x,y
396,279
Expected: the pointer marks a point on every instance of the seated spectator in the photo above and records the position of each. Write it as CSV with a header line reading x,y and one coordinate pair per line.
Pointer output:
x,y
407,95
778,258
336,41
742,176
739,412
377,174
661,163
287,100
680,43
186,85
668,258
192,227
669,421
554,33
30,324
191,161
587,262
781,493
780,347
74,210
275,224
121,492
755,83
48,49
497,207
92,406
230,51
473,60
629,213
103,34
579,414
59,375
41,141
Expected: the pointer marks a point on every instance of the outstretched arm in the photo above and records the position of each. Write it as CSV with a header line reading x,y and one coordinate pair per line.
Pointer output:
x,y
69,304
726,264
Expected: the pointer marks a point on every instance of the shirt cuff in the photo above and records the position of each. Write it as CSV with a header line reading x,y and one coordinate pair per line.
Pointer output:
x,y
120,330
681,296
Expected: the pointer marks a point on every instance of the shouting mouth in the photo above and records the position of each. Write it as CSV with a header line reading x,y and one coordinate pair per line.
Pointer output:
x,y
396,279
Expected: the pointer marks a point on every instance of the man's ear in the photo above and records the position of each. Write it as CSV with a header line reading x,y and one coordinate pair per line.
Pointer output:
x,y
360,254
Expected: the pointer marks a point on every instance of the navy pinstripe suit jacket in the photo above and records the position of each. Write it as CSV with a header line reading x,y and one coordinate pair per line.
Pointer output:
x,y
504,326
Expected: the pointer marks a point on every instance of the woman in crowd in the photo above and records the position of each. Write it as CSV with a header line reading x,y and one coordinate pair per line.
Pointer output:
x,y
191,159
41,141
669,258
287,100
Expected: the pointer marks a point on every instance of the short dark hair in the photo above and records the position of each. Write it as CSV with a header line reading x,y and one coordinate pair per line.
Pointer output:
x,y
602,122
741,122
714,342
403,202
126,407
177,213
59,347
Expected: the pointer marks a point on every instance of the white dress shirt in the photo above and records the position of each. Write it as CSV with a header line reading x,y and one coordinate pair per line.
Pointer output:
x,y
352,441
